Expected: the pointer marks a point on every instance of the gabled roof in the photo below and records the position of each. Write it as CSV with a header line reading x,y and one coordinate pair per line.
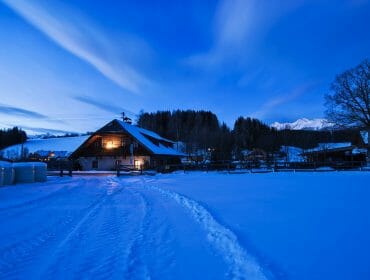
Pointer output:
x,y
160,145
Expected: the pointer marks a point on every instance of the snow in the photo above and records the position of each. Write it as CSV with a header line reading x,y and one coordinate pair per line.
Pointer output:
x,y
358,151
294,153
5,164
188,225
62,146
329,146
140,133
314,124
365,136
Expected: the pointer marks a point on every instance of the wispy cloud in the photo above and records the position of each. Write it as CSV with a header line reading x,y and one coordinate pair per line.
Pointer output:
x,y
103,106
20,112
46,130
233,23
271,105
81,39
40,130
237,26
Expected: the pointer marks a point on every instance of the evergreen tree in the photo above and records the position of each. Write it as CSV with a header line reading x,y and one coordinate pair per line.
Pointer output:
x,y
12,136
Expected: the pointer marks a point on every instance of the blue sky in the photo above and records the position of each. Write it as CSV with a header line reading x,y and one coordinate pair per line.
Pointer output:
x,y
74,65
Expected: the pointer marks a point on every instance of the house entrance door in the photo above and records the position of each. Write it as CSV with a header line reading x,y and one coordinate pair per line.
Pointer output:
x,y
137,164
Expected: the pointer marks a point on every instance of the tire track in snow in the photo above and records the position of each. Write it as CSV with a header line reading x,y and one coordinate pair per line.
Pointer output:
x,y
78,231
16,257
136,267
147,247
119,231
241,264
29,204
21,253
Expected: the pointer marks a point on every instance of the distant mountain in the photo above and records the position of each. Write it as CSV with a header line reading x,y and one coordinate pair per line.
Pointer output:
x,y
305,124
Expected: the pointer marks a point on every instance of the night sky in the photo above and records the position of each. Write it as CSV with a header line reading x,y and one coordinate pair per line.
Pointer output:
x,y
75,65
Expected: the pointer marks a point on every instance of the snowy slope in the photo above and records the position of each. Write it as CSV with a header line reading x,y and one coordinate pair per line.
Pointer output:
x,y
314,124
64,145
188,226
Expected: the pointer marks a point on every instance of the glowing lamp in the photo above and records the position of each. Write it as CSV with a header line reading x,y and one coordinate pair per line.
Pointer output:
x,y
110,145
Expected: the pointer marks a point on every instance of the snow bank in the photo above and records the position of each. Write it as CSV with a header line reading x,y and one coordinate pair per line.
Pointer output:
x,y
242,265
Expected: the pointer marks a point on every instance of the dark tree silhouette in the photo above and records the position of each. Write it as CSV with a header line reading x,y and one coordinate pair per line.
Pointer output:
x,y
202,131
12,136
348,103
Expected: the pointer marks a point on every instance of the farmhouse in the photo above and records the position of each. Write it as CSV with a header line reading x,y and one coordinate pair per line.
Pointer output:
x,y
120,144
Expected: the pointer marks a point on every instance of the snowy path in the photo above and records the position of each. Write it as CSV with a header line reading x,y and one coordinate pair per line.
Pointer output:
x,y
104,227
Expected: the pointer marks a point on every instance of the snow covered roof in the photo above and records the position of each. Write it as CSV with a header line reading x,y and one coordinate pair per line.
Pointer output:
x,y
365,136
61,146
326,146
144,131
358,151
330,146
141,135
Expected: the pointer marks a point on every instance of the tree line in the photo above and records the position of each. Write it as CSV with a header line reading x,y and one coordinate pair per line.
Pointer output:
x,y
202,132
347,103
12,136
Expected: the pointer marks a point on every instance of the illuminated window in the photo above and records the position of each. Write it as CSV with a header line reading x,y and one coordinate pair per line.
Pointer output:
x,y
111,142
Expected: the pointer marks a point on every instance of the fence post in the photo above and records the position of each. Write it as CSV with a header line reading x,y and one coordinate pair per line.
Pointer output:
x,y
70,167
118,171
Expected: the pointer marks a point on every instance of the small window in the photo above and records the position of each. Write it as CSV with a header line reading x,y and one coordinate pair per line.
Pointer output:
x,y
95,164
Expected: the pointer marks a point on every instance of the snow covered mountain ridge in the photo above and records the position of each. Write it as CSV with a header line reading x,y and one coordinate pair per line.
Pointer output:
x,y
306,124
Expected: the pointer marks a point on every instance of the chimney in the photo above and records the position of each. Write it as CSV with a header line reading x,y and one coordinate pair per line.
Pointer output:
x,y
126,119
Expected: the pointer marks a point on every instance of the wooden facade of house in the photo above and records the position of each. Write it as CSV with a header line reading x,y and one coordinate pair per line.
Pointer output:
x,y
120,144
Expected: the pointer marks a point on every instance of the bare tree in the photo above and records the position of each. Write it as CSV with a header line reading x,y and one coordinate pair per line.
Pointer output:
x,y
348,103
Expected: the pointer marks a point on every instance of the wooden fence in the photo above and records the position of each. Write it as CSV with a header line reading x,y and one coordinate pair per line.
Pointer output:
x,y
66,168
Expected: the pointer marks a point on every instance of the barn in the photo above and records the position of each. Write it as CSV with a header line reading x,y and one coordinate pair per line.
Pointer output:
x,y
336,154
122,144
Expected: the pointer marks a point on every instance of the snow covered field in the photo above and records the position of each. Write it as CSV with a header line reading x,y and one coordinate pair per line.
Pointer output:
x,y
188,226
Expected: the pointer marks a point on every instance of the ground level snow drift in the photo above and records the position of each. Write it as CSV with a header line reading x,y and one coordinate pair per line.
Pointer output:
x,y
194,225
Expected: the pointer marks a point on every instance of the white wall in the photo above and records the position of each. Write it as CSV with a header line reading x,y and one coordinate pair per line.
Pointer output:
x,y
109,163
